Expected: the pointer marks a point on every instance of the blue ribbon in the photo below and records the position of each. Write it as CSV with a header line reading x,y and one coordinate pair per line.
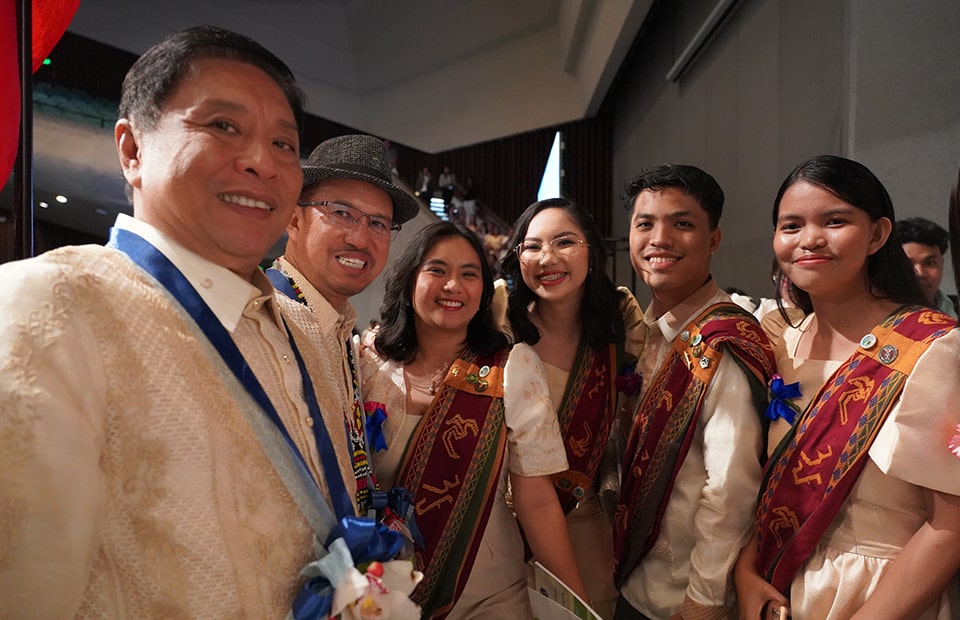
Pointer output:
x,y
367,541
375,436
400,501
280,282
782,392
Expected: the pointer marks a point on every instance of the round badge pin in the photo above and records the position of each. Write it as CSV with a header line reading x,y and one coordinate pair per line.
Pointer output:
x,y
685,335
868,341
888,353
696,340
484,371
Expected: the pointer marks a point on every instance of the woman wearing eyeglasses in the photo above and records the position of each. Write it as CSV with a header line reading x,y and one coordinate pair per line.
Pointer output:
x,y
464,414
583,328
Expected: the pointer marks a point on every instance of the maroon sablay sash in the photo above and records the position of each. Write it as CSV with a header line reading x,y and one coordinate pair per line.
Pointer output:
x,y
452,465
817,463
586,417
665,421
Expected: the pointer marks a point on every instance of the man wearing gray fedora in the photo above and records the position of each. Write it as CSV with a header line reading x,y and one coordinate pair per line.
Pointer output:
x,y
338,243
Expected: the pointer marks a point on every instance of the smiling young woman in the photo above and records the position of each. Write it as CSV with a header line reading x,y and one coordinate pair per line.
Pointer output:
x,y
867,525
583,328
465,413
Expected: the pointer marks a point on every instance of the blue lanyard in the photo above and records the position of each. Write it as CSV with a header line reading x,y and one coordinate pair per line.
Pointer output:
x,y
368,494
166,273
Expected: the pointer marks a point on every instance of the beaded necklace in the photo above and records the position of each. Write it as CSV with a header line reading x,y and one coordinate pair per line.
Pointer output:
x,y
300,298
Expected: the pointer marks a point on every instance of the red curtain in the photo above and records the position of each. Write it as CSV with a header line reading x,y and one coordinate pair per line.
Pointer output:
x,y
50,21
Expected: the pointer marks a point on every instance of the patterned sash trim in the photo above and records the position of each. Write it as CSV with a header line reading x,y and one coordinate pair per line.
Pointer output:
x,y
453,463
817,463
665,421
586,416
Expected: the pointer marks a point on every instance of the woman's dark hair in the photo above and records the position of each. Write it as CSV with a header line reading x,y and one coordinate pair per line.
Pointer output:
x,y
889,271
397,339
600,316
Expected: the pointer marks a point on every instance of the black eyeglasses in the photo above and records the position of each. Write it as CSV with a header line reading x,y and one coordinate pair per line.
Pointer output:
x,y
346,217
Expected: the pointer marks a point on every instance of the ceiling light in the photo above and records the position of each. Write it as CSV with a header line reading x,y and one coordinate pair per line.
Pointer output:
x,y
43,204
102,211
61,199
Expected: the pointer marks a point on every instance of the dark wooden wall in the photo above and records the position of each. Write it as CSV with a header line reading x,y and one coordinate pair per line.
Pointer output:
x,y
506,171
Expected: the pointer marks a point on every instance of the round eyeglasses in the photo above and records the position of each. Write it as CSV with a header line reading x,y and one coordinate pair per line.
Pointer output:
x,y
346,217
531,251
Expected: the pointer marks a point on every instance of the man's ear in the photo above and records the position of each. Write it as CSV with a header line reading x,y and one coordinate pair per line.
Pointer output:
x,y
714,240
297,222
127,139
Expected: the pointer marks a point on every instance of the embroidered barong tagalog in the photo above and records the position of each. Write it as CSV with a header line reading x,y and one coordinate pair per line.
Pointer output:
x,y
453,461
585,416
665,421
820,459
162,269
354,425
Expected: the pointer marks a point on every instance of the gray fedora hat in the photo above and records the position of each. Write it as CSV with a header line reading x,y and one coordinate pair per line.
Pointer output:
x,y
363,158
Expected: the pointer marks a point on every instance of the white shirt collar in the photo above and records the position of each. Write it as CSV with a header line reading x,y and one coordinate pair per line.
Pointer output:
x,y
328,317
226,293
675,319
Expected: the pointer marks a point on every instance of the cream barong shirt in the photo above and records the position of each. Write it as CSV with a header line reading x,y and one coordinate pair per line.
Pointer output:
x,y
709,516
131,483
329,331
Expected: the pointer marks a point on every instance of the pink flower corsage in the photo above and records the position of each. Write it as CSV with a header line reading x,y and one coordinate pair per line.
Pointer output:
x,y
381,591
954,443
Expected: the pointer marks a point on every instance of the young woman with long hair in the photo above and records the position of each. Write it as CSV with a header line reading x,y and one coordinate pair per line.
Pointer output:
x,y
465,412
859,514
564,305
